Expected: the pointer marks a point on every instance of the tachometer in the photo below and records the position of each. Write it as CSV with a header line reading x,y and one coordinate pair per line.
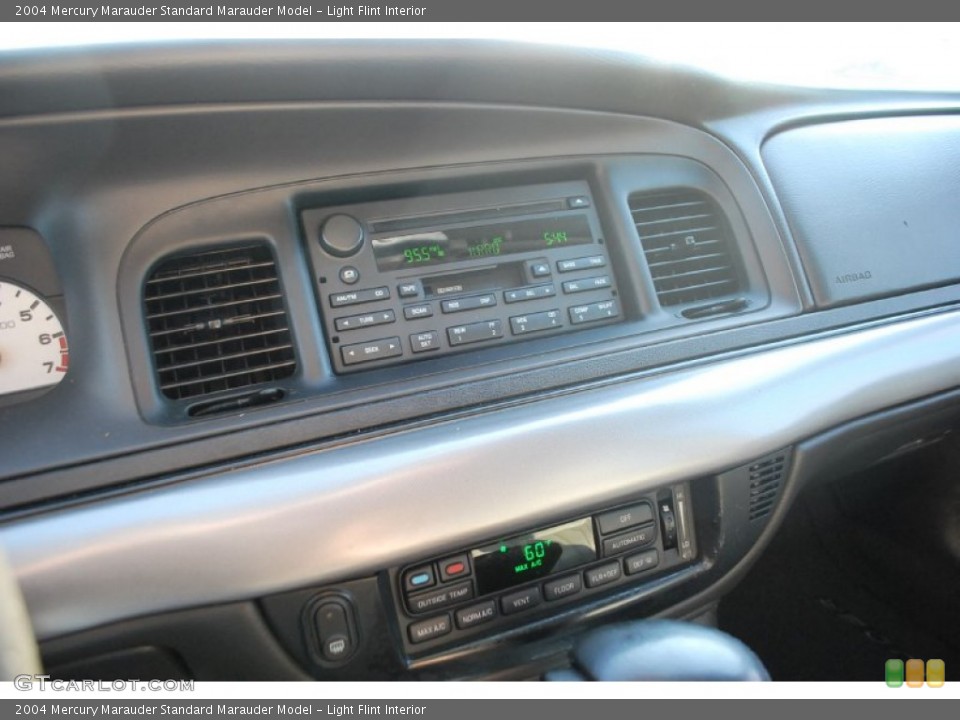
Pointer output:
x,y
33,346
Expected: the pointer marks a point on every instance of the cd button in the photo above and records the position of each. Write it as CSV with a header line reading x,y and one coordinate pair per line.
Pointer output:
x,y
578,201
355,297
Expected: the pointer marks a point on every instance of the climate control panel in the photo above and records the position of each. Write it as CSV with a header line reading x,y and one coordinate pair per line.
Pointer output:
x,y
514,580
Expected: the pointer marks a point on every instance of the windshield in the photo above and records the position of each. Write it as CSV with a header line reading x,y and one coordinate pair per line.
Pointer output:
x,y
910,56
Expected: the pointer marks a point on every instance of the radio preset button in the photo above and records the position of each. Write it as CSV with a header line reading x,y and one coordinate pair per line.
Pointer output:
x,y
349,275
628,517
564,587
476,614
629,540
641,562
408,290
468,303
356,297
594,311
429,629
353,322
425,341
475,332
415,312
440,598
370,351
529,293
586,284
535,322
603,575
520,601
581,263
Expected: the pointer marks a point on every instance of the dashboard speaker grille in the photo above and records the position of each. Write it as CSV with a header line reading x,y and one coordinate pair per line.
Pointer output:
x,y
688,245
766,477
217,321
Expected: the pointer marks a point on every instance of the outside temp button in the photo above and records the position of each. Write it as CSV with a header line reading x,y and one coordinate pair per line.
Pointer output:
x,y
341,235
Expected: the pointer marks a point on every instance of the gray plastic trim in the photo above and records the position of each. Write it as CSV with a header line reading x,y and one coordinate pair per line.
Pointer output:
x,y
345,512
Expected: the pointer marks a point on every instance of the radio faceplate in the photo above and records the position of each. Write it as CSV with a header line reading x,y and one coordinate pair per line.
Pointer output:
x,y
417,278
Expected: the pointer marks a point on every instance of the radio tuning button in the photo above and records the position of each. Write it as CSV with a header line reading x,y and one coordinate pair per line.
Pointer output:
x,y
341,235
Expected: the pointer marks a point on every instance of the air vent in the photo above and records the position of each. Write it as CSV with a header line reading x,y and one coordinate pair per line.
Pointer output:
x,y
766,476
217,322
688,245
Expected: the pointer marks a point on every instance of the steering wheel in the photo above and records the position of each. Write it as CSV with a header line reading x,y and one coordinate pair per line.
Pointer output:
x,y
19,654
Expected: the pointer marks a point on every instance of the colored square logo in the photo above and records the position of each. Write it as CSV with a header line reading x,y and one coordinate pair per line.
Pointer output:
x,y
915,673
893,672
936,673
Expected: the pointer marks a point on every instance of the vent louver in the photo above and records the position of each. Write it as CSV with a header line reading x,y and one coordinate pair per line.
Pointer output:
x,y
766,476
688,245
217,322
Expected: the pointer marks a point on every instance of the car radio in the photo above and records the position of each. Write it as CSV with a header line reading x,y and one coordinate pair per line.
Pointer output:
x,y
409,279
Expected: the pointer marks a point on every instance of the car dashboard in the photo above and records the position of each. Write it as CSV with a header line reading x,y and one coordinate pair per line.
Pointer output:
x,y
416,360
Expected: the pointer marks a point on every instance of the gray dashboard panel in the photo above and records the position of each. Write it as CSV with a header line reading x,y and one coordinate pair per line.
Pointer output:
x,y
350,511
872,203
118,171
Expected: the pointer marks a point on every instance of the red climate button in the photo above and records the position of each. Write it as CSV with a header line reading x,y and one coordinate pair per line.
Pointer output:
x,y
454,567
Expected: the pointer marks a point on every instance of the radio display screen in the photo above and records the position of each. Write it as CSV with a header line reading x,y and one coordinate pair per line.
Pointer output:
x,y
436,247
534,555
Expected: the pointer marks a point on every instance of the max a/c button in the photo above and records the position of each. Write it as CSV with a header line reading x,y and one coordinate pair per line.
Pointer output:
x,y
429,629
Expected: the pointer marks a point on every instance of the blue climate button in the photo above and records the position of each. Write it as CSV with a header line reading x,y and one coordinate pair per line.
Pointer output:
x,y
419,577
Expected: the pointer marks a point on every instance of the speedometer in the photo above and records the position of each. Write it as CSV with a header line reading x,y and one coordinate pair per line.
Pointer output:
x,y
33,346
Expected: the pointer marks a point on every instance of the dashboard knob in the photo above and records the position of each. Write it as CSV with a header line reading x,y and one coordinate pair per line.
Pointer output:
x,y
341,235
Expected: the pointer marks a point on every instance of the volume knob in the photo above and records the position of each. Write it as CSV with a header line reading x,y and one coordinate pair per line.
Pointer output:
x,y
341,235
